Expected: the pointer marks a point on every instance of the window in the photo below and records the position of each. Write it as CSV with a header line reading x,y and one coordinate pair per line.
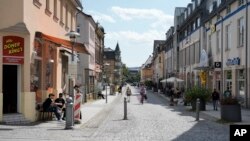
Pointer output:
x,y
197,52
187,56
37,3
55,8
198,2
66,17
241,2
228,9
218,41
229,80
61,12
192,53
71,20
228,37
241,83
47,9
78,29
240,32
218,3
209,45
198,22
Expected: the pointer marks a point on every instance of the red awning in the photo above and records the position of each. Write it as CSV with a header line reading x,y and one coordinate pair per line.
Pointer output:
x,y
79,47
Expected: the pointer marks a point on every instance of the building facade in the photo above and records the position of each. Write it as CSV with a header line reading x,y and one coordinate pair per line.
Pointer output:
x,y
227,36
146,70
113,69
158,62
36,54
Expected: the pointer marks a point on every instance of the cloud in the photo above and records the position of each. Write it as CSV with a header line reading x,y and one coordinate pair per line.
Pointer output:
x,y
136,37
160,19
102,17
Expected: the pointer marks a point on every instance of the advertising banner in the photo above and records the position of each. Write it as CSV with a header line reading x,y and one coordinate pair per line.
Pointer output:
x,y
13,50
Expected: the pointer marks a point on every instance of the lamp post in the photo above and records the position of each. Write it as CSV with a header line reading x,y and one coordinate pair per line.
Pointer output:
x,y
222,50
157,87
105,65
70,101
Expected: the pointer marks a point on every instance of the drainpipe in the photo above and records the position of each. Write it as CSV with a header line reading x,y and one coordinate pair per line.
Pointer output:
x,y
246,61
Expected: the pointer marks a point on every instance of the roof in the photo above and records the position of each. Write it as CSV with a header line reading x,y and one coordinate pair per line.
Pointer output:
x,y
148,62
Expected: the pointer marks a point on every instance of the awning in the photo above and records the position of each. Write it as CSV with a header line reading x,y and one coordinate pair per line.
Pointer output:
x,y
79,47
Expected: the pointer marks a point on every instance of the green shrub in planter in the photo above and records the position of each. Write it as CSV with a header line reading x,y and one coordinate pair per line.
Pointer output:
x,y
202,93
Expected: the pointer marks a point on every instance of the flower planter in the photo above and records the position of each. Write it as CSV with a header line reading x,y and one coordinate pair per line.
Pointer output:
x,y
231,113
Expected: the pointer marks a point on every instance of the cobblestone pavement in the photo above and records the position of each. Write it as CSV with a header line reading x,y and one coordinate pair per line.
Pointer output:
x,y
152,121
155,121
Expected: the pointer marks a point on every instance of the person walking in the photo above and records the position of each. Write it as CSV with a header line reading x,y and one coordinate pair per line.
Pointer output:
x,y
215,98
142,92
128,93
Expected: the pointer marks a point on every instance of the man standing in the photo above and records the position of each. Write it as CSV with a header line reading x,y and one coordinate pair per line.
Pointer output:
x,y
215,97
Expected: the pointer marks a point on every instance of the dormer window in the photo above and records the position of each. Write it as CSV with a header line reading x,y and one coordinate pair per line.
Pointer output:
x,y
218,3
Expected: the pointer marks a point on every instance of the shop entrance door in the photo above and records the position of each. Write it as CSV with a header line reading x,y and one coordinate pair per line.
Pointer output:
x,y
10,80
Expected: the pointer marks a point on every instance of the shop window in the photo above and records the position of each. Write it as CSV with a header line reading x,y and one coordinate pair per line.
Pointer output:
x,y
229,80
241,83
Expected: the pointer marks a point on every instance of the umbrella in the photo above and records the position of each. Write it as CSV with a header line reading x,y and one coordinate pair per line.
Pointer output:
x,y
172,79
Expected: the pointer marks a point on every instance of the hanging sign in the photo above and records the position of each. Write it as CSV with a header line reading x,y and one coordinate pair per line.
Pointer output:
x,y
13,50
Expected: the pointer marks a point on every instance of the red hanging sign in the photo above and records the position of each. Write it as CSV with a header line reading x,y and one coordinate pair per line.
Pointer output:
x,y
13,50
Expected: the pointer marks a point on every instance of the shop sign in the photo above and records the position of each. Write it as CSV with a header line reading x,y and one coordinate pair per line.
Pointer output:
x,y
217,64
13,50
233,61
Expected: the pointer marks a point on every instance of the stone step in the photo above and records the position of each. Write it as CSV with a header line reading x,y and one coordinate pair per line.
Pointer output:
x,y
15,119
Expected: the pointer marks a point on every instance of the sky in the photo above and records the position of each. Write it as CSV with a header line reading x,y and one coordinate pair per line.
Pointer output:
x,y
134,24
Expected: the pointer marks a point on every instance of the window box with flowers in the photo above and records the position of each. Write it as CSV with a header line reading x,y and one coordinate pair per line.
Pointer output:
x,y
230,109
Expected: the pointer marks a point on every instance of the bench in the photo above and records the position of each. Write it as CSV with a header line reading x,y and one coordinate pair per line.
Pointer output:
x,y
43,115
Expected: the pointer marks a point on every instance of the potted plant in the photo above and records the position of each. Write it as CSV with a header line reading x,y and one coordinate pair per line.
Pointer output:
x,y
230,109
196,92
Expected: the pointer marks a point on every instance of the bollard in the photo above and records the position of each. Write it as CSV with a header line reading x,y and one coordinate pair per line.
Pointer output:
x,y
125,109
197,109
69,114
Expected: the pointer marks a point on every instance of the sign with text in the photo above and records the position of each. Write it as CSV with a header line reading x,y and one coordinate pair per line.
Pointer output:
x,y
233,61
239,132
13,50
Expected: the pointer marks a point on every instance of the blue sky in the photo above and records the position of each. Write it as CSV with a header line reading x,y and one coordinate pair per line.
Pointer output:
x,y
134,24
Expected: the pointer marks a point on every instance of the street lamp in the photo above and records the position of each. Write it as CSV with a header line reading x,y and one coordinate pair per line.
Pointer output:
x,y
70,101
72,35
105,65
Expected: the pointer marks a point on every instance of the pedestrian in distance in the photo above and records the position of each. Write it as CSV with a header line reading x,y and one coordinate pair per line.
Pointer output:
x,y
120,89
215,98
128,93
142,93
